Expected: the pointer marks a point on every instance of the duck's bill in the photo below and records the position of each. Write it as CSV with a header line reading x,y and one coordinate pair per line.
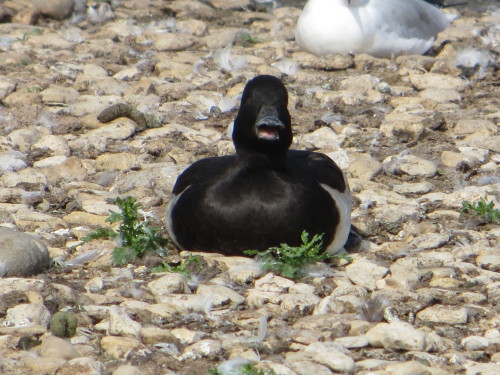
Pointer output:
x,y
268,128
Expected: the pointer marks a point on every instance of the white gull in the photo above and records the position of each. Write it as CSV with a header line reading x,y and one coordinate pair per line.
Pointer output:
x,y
381,28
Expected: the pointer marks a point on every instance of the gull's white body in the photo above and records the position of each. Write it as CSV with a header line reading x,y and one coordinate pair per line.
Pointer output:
x,y
381,28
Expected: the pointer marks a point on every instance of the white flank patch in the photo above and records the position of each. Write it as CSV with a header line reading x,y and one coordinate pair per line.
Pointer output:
x,y
344,205
168,217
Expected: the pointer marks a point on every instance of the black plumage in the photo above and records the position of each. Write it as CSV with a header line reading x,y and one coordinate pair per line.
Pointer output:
x,y
265,194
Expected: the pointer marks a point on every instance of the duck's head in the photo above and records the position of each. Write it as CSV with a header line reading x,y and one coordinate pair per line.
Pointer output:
x,y
263,122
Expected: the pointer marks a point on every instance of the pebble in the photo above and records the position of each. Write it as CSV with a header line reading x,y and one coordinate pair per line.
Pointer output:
x,y
119,347
308,367
489,262
440,95
443,314
82,366
437,81
121,324
58,348
410,368
335,361
364,166
21,254
458,160
399,336
170,283
127,370
475,343
58,9
410,165
205,348
472,126
365,273
273,283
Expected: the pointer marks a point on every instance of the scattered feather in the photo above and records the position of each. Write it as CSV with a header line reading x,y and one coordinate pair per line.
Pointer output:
x,y
488,180
100,13
471,58
391,315
385,88
47,120
375,141
227,104
6,41
366,204
333,118
287,66
134,291
11,161
373,309
82,259
167,347
30,196
208,305
318,270
492,37
168,25
72,34
200,116
227,62
261,331
200,68
232,366
192,281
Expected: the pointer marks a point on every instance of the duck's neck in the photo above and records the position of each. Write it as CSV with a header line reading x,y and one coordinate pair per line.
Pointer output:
x,y
256,159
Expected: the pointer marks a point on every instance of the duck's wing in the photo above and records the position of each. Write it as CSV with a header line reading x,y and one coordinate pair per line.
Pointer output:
x,y
202,172
318,167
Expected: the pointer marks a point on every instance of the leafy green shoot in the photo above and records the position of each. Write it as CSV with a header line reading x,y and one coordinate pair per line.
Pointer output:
x,y
289,260
27,35
100,233
246,40
246,369
192,264
135,235
485,211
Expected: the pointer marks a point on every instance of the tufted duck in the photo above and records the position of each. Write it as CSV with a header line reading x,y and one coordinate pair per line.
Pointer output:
x,y
264,195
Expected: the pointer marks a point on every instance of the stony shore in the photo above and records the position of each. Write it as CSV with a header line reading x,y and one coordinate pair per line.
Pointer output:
x,y
416,135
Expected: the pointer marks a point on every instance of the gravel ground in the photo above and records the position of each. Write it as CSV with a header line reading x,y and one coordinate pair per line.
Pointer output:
x,y
416,135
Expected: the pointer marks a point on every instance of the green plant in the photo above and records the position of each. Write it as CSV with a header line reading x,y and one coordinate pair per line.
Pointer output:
x,y
33,88
135,235
288,260
191,264
246,40
482,209
27,35
247,369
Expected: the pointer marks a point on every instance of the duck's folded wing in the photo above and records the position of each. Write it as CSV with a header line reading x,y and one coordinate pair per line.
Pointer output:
x,y
319,167
202,172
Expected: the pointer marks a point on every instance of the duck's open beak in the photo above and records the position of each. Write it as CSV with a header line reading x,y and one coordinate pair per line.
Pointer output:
x,y
268,124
